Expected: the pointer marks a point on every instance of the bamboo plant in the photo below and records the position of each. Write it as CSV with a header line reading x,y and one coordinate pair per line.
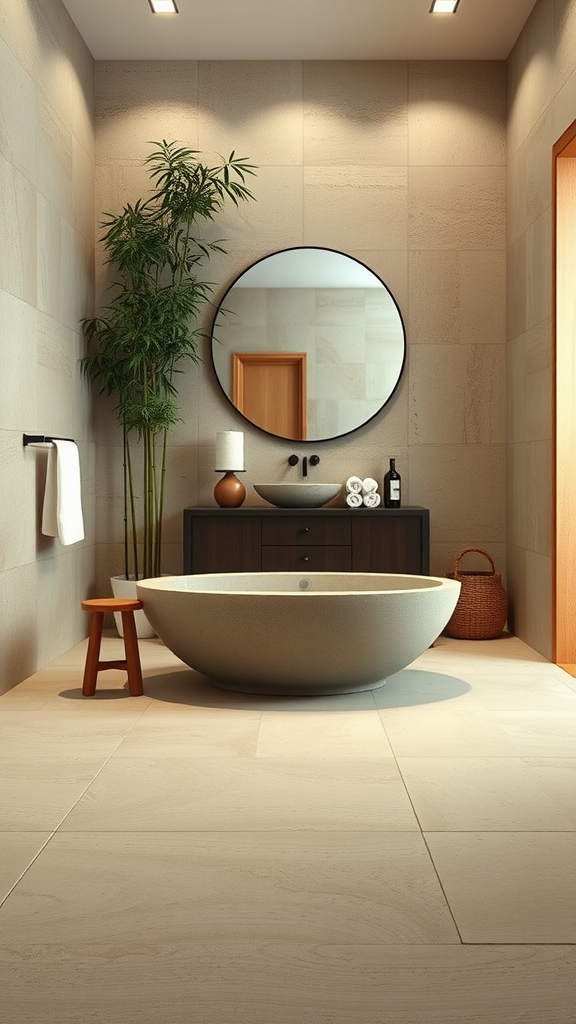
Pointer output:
x,y
150,327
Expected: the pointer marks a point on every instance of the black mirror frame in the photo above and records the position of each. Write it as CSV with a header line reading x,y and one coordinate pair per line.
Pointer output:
x,y
332,437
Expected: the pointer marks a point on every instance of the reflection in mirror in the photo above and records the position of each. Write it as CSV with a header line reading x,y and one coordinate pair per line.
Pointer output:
x,y
308,344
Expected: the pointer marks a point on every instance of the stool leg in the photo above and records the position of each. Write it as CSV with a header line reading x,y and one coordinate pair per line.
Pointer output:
x,y
93,654
132,655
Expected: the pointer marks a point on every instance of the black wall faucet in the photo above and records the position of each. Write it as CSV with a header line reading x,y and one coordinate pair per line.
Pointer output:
x,y
314,460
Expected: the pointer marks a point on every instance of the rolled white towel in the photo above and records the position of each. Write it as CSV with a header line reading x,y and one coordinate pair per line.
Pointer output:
x,y
372,499
354,500
369,485
354,485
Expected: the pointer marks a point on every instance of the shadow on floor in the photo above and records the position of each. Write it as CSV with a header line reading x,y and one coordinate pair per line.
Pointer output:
x,y
185,686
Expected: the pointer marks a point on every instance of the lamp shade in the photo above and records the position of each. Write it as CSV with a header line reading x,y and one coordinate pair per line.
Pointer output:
x,y
229,451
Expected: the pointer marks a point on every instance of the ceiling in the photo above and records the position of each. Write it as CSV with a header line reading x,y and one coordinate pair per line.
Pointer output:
x,y
299,30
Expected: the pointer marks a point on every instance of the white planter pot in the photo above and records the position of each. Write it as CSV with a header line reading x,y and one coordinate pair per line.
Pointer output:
x,y
121,587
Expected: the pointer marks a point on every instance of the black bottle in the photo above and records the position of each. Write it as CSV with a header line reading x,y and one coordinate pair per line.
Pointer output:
x,y
392,482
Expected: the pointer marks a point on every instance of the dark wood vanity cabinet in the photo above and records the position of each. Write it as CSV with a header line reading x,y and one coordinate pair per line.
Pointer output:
x,y
317,540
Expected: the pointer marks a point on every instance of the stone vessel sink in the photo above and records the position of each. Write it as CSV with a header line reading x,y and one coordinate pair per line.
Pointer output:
x,y
298,495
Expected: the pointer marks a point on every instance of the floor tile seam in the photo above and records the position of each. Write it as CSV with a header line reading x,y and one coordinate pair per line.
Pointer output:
x,y
238,832
286,830
489,757
28,866
498,831
518,942
128,732
83,793
442,888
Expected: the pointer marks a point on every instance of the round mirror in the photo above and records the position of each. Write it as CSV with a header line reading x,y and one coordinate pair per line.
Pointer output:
x,y
308,344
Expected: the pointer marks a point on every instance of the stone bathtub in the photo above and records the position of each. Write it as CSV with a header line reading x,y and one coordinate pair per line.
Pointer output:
x,y
293,633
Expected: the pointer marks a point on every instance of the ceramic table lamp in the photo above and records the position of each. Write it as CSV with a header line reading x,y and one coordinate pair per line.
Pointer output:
x,y
229,491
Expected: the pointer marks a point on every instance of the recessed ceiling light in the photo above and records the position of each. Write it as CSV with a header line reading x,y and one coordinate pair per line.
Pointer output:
x,y
444,6
163,6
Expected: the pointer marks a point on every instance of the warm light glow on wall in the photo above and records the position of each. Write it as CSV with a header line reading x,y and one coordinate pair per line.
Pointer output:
x,y
163,6
444,6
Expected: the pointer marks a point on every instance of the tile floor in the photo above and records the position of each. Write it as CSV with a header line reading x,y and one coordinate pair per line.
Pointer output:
x,y
403,856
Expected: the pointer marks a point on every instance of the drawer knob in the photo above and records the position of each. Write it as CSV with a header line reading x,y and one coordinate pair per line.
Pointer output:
x,y
305,558
305,529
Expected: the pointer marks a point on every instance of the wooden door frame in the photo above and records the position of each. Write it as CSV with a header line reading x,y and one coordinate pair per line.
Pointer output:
x,y
297,359
563,646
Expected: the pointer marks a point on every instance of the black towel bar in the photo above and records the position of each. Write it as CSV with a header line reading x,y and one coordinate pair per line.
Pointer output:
x,y
41,439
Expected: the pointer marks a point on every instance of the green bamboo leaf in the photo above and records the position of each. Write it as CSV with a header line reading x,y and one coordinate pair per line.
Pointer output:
x,y
150,328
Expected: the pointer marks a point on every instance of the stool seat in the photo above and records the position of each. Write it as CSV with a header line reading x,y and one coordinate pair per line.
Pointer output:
x,y
112,604
98,607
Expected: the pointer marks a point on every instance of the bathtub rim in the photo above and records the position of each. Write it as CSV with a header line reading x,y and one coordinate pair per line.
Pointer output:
x,y
162,584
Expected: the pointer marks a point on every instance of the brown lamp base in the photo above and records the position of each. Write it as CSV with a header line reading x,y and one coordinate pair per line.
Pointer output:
x,y
229,491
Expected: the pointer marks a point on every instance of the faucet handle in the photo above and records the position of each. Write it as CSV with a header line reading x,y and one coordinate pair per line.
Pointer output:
x,y
293,460
314,460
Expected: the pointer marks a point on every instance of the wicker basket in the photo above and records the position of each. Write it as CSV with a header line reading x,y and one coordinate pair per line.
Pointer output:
x,y
482,606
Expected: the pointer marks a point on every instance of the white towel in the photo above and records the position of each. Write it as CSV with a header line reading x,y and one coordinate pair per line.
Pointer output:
x,y
354,500
369,485
62,511
354,485
372,499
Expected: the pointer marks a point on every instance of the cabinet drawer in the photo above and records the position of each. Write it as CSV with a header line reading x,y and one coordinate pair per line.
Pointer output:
x,y
306,530
230,545
296,558
388,545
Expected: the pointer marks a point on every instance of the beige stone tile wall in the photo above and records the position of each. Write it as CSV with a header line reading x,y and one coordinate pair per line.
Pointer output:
x,y
541,90
46,285
401,165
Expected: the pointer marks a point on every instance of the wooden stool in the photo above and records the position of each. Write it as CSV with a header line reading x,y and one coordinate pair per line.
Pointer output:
x,y
131,663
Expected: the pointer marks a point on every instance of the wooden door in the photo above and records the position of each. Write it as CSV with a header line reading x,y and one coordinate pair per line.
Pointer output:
x,y
564,406
269,389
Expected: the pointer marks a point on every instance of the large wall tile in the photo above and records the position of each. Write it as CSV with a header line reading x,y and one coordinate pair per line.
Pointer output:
x,y
538,609
516,287
18,245
58,615
18,111
531,78
58,376
529,374
464,488
355,112
139,102
254,108
529,499
564,107
538,270
456,208
17,547
54,155
562,13
538,377
470,131
17,28
457,297
529,576
371,204
515,390
516,194
268,224
19,652
457,394
539,168
17,350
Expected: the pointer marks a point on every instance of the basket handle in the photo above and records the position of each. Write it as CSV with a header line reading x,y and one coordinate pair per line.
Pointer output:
x,y
480,552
